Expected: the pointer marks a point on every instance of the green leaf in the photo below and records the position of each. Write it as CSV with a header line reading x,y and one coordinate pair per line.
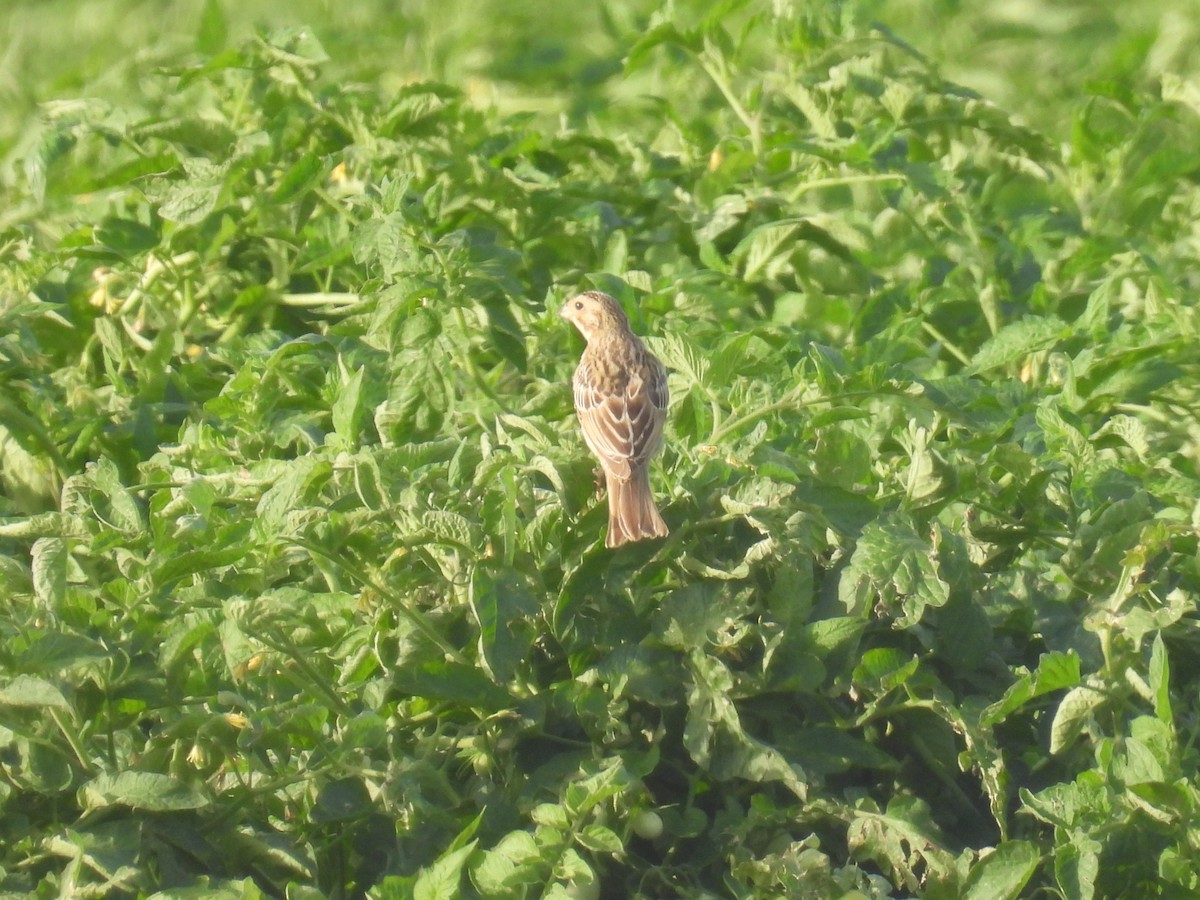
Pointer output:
x,y
341,800
766,244
511,863
830,636
901,840
1077,866
824,750
348,407
34,692
1018,340
417,399
143,790
893,564
443,879
1003,872
1064,437
505,605
681,356
1054,672
1066,804
599,839
450,682
30,462
1160,680
189,201
299,179
50,571
663,33
214,889
193,134
214,30
552,815
290,491
127,237
114,504
1074,714
885,668
715,739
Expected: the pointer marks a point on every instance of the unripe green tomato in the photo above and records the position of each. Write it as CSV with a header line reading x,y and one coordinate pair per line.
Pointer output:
x,y
648,824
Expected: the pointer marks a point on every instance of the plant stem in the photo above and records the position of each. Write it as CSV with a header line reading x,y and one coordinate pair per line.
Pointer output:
x,y
715,68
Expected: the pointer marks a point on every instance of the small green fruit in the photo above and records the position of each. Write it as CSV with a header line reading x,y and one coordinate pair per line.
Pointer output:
x,y
648,824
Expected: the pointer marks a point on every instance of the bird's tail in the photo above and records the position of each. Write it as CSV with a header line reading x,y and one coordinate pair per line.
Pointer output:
x,y
632,515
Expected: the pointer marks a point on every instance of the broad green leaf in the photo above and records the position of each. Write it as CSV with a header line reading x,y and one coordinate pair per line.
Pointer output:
x,y
1002,872
885,668
443,879
1160,680
1066,804
824,750
290,490
143,790
902,840
715,739
66,654
1054,672
1077,865
213,31
450,682
31,691
553,815
348,407
766,244
228,548
505,605
660,34
127,237
303,174
831,635
1017,341
188,201
344,799
115,505
892,564
1064,436
450,527
213,889
599,839
511,863
191,134
29,460
49,557
1074,714
1138,764
680,356
688,618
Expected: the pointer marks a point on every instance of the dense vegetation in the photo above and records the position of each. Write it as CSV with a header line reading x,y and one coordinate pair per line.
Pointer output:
x,y
304,590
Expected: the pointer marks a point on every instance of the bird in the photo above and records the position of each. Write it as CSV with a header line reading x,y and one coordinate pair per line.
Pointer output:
x,y
621,399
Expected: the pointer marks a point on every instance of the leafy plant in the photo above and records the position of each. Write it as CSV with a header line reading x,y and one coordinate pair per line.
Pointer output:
x,y
305,589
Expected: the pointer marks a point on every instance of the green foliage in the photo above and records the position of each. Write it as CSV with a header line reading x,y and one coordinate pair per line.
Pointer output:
x,y
304,584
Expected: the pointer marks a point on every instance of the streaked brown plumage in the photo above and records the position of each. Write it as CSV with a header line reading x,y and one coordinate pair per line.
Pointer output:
x,y
621,398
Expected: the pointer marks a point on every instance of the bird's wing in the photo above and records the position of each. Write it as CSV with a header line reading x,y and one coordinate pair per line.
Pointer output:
x,y
623,428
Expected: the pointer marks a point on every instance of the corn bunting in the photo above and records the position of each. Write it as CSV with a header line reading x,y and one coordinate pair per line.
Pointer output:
x,y
621,398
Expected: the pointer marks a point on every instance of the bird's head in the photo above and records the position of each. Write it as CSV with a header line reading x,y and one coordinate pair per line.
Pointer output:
x,y
593,313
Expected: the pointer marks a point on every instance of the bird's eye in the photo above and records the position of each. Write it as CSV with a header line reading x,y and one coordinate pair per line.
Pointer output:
x,y
578,304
